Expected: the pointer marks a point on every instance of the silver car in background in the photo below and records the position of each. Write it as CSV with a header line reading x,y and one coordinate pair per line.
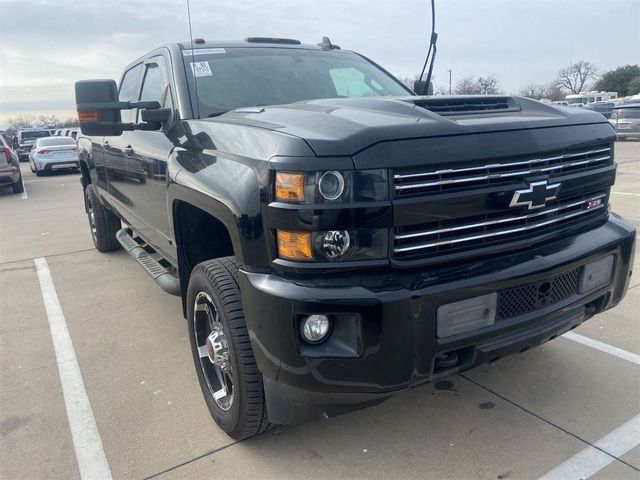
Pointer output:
x,y
10,168
52,154
626,120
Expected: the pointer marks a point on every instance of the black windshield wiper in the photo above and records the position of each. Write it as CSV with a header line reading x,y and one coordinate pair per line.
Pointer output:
x,y
217,114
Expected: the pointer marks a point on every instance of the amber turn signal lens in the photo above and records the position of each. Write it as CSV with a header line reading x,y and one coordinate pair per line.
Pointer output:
x,y
88,117
294,245
290,187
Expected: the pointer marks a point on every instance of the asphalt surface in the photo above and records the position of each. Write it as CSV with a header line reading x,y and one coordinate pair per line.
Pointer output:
x,y
553,408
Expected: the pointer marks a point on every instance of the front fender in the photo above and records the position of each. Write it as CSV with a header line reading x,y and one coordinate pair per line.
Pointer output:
x,y
228,188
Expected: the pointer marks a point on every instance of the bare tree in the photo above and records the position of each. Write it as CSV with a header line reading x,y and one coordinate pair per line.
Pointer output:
x,y
21,120
488,85
441,90
466,86
574,77
482,86
49,121
554,92
535,91
408,81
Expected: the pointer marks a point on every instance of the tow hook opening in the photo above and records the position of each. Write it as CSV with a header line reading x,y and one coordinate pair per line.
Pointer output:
x,y
446,361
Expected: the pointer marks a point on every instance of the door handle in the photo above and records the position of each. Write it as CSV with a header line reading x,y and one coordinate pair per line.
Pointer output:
x,y
128,150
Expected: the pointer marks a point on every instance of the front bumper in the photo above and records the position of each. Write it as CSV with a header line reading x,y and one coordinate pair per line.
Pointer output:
x,y
384,336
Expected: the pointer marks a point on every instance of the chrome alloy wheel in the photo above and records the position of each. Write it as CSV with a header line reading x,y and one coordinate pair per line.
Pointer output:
x,y
213,351
92,222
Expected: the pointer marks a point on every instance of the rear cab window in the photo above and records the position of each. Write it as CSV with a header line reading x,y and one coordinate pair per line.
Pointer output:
x,y
35,134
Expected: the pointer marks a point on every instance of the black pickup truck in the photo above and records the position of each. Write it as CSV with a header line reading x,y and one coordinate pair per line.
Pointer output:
x,y
336,238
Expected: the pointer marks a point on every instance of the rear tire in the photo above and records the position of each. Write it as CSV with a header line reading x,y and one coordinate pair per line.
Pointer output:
x,y
230,380
18,187
103,223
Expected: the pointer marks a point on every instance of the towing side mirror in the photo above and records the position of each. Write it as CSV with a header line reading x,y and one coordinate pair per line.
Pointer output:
x,y
99,110
98,107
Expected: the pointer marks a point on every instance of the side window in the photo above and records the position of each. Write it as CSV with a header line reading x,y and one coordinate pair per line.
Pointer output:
x,y
350,82
128,90
153,84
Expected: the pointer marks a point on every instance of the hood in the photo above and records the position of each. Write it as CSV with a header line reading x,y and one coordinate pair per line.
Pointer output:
x,y
341,126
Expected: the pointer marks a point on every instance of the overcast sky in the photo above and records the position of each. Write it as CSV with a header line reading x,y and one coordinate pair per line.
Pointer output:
x,y
45,45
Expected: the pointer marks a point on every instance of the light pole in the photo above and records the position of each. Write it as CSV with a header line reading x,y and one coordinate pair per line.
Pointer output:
x,y
449,81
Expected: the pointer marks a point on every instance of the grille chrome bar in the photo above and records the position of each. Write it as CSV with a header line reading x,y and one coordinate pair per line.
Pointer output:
x,y
498,233
502,165
501,220
499,175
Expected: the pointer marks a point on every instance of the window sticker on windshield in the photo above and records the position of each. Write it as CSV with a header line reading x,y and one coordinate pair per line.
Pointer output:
x,y
201,69
203,51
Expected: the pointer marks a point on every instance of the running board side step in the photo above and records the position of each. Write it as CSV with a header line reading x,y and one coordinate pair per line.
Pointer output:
x,y
163,278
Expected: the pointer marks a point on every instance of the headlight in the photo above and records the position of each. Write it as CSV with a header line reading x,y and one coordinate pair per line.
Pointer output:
x,y
332,186
332,245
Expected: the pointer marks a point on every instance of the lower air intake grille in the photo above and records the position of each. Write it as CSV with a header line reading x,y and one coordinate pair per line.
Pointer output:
x,y
522,299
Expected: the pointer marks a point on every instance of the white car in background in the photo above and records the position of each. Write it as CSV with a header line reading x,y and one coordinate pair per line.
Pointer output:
x,y
52,154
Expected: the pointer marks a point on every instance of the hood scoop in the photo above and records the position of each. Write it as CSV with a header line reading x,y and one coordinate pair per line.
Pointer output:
x,y
465,105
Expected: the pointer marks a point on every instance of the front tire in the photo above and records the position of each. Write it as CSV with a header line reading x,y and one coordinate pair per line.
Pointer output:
x,y
222,353
103,223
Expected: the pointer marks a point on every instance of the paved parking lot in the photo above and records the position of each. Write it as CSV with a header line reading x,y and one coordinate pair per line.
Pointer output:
x,y
569,407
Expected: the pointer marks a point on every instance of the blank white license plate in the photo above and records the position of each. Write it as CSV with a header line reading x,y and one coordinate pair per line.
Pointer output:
x,y
63,165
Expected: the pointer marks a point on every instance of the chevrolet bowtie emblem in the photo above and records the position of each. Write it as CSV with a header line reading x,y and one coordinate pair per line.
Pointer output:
x,y
536,196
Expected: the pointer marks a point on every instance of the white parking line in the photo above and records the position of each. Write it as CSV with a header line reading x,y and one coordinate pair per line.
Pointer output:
x,y
24,195
591,460
87,444
603,347
626,193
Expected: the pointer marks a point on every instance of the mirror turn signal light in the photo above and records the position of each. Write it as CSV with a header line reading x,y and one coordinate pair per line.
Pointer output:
x,y
294,245
88,116
290,187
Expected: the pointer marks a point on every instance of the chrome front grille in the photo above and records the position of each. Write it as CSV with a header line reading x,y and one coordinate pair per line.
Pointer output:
x,y
409,182
451,236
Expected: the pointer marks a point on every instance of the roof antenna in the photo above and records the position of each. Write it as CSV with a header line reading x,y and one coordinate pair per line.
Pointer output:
x,y
424,87
326,44
195,78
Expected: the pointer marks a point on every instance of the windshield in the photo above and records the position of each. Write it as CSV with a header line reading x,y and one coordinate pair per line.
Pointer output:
x,y
35,134
239,77
55,141
627,113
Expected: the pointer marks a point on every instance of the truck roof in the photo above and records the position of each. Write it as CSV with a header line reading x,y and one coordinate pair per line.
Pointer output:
x,y
249,42
257,42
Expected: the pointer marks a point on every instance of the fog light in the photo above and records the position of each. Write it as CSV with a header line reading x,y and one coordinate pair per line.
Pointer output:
x,y
331,185
335,243
466,315
596,274
315,328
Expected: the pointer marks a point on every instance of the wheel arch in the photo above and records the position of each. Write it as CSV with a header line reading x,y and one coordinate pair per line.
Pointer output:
x,y
203,229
